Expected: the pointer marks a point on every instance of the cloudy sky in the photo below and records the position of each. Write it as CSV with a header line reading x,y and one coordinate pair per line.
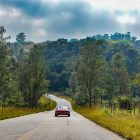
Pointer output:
x,y
43,20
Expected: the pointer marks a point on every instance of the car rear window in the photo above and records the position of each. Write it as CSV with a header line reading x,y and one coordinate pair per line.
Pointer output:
x,y
64,108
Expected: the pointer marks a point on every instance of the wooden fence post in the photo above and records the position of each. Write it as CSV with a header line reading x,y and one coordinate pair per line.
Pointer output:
x,y
111,108
139,105
134,107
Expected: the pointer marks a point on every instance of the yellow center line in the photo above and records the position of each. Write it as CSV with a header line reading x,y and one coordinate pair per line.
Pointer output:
x,y
29,132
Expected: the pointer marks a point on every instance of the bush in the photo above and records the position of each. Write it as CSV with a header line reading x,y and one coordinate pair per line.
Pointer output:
x,y
11,102
125,102
80,99
105,110
68,92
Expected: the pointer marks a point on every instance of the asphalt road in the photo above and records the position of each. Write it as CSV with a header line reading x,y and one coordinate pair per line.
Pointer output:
x,y
45,126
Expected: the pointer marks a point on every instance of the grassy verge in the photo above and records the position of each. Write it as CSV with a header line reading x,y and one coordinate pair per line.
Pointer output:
x,y
122,123
46,104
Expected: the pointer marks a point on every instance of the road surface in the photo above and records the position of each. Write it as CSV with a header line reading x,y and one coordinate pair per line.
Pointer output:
x,y
45,126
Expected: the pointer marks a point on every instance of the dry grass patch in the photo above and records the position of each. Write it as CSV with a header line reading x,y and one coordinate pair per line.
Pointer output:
x,y
46,104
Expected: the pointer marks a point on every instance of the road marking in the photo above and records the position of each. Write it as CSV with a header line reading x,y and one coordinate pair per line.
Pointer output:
x,y
29,132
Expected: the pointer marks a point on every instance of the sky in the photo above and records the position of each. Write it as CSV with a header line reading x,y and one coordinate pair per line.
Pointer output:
x,y
42,20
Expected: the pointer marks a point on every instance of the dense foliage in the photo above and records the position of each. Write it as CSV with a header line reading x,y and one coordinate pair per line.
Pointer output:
x,y
92,69
22,76
119,67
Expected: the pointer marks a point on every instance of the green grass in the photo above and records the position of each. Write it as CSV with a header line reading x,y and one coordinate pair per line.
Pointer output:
x,y
123,123
46,104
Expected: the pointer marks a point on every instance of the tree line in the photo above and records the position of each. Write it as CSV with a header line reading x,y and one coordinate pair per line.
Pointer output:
x,y
93,70
89,70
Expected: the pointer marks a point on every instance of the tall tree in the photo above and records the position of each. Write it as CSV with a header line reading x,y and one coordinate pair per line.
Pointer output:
x,y
6,65
33,75
90,65
20,38
128,36
121,74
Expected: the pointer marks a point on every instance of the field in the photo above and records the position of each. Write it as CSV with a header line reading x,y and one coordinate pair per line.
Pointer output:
x,y
121,122
46,104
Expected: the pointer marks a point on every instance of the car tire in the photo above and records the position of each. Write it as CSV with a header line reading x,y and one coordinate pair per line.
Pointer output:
x,y
69,115
55,115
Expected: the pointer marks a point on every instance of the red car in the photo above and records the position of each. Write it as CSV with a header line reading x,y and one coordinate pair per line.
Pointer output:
x,y
62,110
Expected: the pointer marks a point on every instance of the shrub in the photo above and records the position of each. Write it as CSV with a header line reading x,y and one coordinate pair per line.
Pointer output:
x,y
105,110
80,99
125,102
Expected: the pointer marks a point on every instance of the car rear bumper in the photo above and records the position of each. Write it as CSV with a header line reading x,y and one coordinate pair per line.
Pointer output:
x,y
62,113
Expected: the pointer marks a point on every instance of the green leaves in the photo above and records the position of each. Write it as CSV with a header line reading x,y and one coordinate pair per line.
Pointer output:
x,y
90,65
20,38
6,65
32,76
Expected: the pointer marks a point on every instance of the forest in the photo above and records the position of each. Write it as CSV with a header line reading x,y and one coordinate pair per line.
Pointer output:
x,y
91,70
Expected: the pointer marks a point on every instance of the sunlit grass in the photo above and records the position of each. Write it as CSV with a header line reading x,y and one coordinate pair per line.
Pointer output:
x,y
46,104
121,122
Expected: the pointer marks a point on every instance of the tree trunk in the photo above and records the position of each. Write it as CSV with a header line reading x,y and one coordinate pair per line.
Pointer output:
x,y
94,100
90,100
101,101
25,103
4,103
85,98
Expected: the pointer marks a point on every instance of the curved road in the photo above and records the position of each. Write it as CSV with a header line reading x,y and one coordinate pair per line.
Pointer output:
x,y
44,126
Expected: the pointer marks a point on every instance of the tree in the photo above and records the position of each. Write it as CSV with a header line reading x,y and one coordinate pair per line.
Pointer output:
x,y
106,36
20,56
2,38
109,87
134,38
16,48
121,74
117,36
136,81
90,65
72,82
32,74
83,90
20,38
128,36
70,63
6,65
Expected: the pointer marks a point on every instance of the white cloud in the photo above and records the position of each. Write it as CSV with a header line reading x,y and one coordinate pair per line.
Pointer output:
x,y
126,19
41,32
115,4
9,13
39,22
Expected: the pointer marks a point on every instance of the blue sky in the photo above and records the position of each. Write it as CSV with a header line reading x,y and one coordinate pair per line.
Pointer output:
x,y
43,20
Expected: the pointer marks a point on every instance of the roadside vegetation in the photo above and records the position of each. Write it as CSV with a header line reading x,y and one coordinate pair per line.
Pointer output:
x,y
23,80
119,121
44,104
